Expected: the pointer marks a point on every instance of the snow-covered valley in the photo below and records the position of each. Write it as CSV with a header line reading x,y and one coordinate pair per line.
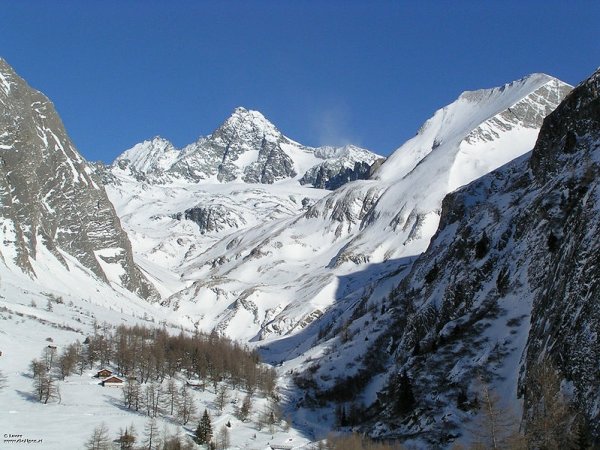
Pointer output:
x,y
351,276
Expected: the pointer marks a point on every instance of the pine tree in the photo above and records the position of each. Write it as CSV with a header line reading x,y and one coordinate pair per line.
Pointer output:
x,y
204,430
244,410
221,397
402,393
186,408
222,439
172,395
151,438
582,437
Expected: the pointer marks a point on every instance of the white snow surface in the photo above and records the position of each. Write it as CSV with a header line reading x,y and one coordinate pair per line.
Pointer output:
x,y
157,153
78,301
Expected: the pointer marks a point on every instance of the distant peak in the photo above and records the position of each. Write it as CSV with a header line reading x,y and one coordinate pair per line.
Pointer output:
x,y
158,140
525,85
242,113
247,120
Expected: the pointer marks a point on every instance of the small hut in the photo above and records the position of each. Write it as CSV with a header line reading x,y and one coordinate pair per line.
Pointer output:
x,y
112,381
103,373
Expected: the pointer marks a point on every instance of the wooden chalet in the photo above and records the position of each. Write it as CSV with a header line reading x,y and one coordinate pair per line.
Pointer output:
x,y
112,381
103,373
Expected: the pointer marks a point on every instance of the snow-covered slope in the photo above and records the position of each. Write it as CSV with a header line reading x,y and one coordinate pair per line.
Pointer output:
x,y
175,204
277,278
171,223
509,280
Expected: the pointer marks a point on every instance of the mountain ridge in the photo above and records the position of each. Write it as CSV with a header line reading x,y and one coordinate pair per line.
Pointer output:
x,y
245,147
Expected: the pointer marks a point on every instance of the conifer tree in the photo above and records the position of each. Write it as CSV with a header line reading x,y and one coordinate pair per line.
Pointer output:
x,y
402,393
244,410
151,437
496,427
222,439
186,407
204,430
127,438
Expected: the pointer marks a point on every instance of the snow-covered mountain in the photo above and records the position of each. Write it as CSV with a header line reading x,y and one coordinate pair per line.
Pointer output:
x,y
246,147
398,276
177,203
52,206
508,281
275,279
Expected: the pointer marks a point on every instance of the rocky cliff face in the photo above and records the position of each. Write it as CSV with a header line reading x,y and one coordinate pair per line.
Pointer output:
x,y
49,196
340,166
510,278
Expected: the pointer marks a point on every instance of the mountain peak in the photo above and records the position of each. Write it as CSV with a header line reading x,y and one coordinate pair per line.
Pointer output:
x,y
482,115
152,154
518,88
244,121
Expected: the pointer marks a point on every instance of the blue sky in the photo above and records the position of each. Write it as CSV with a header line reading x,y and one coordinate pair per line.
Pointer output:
x,y
324,72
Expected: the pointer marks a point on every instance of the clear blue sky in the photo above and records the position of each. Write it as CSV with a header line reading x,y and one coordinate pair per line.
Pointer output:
x,y
324,72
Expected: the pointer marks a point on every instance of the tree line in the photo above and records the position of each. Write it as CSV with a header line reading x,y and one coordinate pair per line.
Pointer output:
x,y
152,354
149,356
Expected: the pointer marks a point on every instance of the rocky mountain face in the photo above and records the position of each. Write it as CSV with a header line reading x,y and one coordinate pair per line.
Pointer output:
x,y
50,200
340,166
510,279
246,147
